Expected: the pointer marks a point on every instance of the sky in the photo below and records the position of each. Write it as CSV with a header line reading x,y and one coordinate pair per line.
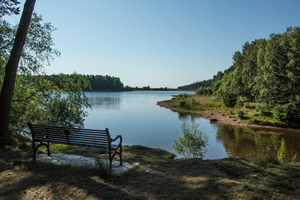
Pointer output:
x,y
158,43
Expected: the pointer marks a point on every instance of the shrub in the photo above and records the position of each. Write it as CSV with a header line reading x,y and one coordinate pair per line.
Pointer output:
x,y
280,159
263,109
206,91
182,103
182,96
192,142
193,102
229,100
289,112
281,154
240,113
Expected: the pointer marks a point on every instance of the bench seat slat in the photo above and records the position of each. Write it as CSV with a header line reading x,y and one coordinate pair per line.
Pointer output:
x,y
61,133
89,140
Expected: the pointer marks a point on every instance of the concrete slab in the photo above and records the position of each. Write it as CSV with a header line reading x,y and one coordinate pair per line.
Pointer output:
x,y
74,160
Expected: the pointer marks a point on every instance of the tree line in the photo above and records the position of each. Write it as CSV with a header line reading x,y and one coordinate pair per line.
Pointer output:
x,y
265,71
96,82
196,85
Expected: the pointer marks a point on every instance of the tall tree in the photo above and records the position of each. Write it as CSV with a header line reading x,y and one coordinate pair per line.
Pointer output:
x,y
11,68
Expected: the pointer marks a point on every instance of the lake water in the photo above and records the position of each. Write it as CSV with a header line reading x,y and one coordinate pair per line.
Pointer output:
x,y
136,117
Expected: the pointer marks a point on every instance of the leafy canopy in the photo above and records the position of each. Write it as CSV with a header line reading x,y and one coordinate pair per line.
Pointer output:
x,y
37,99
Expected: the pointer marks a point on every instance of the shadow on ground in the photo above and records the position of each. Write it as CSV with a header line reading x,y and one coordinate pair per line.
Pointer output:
x,y
157,177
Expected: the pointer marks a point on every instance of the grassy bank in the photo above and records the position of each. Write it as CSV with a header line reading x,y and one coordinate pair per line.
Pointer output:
x,y
243,112
157,177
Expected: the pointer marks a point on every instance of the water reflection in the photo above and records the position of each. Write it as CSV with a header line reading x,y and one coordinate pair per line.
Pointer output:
x,y
253,142
104,102
136,117
185,116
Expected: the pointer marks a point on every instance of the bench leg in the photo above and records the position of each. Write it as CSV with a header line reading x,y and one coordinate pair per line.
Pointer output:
x,y
116,153
48,149
34,150
120,156
110,158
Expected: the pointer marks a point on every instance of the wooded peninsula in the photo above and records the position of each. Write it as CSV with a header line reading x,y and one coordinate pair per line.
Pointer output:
x,y
261,87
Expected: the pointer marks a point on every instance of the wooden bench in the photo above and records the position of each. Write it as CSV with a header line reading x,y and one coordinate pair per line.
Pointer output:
x,y
75,136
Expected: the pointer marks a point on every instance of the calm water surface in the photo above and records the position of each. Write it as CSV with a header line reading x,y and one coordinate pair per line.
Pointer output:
x,y
136,117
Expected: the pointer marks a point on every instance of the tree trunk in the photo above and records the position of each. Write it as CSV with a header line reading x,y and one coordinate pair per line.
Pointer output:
x,y
11,68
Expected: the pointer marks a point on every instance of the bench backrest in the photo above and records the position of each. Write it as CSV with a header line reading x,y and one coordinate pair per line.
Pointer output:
x,y
73,136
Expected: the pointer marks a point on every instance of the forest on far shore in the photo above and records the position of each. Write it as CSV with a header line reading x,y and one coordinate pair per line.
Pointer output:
x,y
97,82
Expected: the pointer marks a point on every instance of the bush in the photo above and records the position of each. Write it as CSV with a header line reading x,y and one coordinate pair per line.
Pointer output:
x,y
289,112
203,91
229,100
240,113
263,109
182,96
193,102
270,158
281,153
192,142
182,103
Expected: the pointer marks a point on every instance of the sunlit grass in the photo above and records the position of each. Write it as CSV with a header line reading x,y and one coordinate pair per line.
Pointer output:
x,y
250,116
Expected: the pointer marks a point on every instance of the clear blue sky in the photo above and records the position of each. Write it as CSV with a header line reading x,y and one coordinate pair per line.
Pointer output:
x,y
158,43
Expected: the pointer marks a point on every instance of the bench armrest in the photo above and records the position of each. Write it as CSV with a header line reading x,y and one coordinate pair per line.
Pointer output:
x,y
119,136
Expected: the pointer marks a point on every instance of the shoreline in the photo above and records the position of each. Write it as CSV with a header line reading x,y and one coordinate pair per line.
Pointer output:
x,y
213,115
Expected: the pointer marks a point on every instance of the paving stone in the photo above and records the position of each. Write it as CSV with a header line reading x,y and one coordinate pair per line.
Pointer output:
x,y
74,160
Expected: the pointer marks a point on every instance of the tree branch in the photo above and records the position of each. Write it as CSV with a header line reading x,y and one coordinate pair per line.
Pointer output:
x,y
33,94
4,47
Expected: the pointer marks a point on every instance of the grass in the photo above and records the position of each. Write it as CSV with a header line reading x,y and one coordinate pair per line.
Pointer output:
x,y
196,103
157,177
250,116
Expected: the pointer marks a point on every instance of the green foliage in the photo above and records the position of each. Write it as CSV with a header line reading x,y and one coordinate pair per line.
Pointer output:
x,y
229,100
289,112
55,101
192,142
266,71
99,82
279,159
227,92
193,102
49,102
281,154
263,108
203,91
182,96
9,7
196,85
182,103
269,157
128,88
240,113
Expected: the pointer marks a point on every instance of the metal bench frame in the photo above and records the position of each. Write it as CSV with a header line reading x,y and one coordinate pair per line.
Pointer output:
x,y
45,135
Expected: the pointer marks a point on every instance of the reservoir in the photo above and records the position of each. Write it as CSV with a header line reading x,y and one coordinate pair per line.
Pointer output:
x,y
136,117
